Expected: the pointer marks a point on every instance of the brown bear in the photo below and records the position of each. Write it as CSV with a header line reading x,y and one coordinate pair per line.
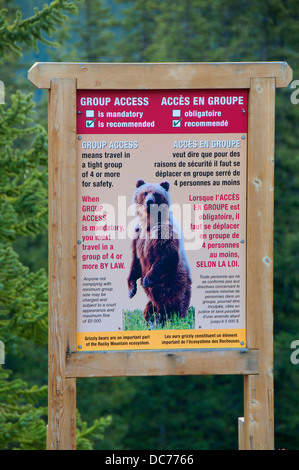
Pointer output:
x,y
158,255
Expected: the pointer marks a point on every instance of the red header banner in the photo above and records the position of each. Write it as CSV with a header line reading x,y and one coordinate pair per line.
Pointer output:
x,y
161,111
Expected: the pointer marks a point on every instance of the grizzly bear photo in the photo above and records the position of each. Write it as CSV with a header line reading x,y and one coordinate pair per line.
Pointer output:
x,y
158,255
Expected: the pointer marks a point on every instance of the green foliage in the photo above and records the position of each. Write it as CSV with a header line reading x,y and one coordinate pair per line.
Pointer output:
x,y
138,24
134,321
21,422
23,300
23,211
86,435
14,36
23,294
22,418
183,413
104,397
95,38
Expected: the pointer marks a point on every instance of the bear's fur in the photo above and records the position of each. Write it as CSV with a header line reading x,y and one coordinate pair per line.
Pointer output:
x,y
158,255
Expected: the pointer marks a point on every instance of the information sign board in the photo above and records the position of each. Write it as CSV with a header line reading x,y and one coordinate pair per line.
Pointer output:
x,y
194,142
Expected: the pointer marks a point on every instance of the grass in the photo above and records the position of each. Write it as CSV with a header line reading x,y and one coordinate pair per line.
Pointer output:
x,y
134,321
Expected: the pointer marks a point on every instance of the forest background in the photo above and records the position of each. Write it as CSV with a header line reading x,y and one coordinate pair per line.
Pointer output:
x,y
153,413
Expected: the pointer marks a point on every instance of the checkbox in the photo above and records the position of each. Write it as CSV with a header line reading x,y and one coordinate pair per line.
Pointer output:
x,y
90,123
176,113
176,123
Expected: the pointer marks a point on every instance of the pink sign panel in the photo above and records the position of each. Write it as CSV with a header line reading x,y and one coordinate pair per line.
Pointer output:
x,y
161,219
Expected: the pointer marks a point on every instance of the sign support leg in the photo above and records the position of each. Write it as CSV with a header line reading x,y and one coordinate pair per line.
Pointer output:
x,y
62,262
258,389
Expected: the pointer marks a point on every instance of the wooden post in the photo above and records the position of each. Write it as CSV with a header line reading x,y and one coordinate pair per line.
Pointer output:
x,y
258,389
62,262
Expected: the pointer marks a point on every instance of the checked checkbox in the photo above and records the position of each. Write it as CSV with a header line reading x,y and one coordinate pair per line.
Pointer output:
x,y
90,123
176,123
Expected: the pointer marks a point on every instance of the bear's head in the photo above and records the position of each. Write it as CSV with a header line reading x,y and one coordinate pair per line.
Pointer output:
x,y
147,195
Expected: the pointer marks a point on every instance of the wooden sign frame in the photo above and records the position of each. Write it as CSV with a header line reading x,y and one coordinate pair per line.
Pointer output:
x,y
66,364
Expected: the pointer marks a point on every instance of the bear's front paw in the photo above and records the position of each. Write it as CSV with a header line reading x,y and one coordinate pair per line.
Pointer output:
x,y
147,282
132,291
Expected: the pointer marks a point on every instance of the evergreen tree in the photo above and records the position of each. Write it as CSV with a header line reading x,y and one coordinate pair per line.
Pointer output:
x,y
89,36
181,32
23,213
138,24
94,30
184,413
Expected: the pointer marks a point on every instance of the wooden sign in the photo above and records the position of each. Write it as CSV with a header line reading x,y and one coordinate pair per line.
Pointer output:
x,y
161,228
